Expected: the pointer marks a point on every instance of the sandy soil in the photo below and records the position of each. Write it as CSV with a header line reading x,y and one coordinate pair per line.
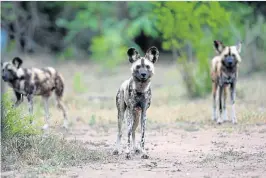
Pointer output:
x,y
178,153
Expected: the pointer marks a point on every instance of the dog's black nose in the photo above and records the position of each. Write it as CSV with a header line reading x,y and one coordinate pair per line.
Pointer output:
x,y
4,78
143,75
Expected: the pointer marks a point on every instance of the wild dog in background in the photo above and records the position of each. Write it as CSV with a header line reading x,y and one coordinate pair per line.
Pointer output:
x,y
33,81
224,73
134,98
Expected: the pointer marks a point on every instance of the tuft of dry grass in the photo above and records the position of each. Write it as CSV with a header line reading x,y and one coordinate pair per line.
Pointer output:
x,y
46,153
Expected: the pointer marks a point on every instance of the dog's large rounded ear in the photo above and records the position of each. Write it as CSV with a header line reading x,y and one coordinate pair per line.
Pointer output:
x,y
152,54
17,62
218,46
238,46
133,54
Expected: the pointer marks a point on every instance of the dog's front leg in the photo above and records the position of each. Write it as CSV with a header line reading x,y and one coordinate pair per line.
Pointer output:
x,y
19,97
221,89
130,121
224,104
214,101
137,112
30,101
233,93
143,127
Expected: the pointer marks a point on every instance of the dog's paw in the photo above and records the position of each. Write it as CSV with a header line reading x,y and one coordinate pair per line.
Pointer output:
x,y
219,122
137,151
65,125
234,121
144,156
116,152
128,156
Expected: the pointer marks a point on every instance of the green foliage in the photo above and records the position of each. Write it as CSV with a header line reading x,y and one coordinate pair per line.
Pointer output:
x,y
78,83
196,24
143,19
109,48
13,122
113,33
7,11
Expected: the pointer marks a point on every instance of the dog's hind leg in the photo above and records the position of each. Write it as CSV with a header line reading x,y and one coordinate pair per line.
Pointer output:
x,y
47,114
59,90
61,106
120,120
30,101
233,93
121,108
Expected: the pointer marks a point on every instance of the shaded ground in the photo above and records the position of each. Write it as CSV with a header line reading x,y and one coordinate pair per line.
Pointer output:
x,y
181,139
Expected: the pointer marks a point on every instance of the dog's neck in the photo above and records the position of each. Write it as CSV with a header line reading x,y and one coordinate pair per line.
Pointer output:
x,y
14,83
140,86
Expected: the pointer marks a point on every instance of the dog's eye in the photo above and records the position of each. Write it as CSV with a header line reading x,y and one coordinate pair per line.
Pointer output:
x,y
138,66
148,67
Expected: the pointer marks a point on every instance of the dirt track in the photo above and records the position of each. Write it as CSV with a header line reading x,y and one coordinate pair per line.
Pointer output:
x,y
177,153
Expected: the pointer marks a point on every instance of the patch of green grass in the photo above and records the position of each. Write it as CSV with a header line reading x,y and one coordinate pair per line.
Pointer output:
x,y
13,122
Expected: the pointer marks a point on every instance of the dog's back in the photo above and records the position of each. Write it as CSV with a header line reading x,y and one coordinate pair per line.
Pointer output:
x,y
38,81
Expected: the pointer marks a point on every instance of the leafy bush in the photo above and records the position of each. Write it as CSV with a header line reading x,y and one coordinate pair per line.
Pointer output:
x,y
13,122
112,33
190,28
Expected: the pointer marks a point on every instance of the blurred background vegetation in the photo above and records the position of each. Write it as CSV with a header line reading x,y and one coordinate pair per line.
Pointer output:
x,y
102,32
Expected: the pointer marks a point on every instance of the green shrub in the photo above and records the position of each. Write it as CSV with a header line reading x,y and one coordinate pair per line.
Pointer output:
x,y
109,49
190,28
13,122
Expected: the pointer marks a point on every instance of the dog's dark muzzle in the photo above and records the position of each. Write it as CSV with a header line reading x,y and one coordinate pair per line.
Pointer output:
x,y
4,78
229,61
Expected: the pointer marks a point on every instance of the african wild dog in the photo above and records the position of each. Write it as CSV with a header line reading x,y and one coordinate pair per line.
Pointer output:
x,y
33,81
224,72
134,98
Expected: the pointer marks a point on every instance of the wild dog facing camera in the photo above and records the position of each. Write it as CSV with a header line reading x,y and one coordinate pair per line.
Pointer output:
x,y
134,98
143,67
229,54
